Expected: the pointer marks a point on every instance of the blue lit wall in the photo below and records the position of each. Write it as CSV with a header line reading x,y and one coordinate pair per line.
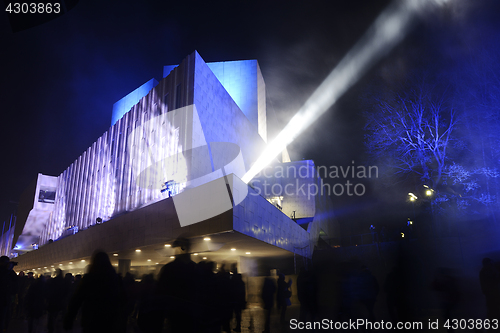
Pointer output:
x,y
126,103
239,78
221,118
244,83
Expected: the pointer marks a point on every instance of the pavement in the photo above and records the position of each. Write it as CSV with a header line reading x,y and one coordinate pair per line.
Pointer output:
x,y
252,320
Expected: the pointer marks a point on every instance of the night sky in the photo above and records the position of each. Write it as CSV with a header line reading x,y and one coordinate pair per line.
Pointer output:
x,y
59,80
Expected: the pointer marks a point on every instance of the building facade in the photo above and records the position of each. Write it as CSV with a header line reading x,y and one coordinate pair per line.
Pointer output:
x,y
170,164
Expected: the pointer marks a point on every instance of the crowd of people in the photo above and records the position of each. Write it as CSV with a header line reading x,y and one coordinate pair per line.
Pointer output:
x,y
196,297
185,297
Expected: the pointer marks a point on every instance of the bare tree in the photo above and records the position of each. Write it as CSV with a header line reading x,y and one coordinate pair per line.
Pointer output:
x,y
411,133
418,135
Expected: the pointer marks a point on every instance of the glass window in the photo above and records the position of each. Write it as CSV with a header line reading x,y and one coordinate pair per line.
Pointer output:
x,y
47,195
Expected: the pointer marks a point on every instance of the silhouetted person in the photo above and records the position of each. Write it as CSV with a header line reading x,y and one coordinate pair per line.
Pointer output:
x,y
177,285
307,294
238,296
223,285
75,285
57,291
131,292
36,302
369,290
68,285
24,286
283,295
101,297
359,291
268,290
8,289
489,277
446,285
149,312
22,283
211,314
404,289
349,289
374,234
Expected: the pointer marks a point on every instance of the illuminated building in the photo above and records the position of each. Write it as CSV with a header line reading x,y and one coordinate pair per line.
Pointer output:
x,y
171,164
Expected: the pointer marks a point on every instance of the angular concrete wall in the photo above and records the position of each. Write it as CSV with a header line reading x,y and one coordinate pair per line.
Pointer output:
x,y
244,82
221,118
258,218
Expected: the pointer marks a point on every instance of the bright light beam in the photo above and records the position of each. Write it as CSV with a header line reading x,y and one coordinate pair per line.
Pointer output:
x,y
387,31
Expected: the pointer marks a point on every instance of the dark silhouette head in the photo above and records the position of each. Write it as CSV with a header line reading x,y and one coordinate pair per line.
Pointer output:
x,y
4,261
100,263
59,273
183,244
209,266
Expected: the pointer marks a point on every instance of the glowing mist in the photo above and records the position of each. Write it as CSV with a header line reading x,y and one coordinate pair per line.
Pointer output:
x,y
387,31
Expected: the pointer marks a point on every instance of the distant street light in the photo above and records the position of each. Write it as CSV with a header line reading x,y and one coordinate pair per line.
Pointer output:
x,y
413,198
429,191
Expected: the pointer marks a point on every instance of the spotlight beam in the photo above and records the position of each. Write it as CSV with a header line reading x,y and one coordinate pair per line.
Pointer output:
x,y
388,30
